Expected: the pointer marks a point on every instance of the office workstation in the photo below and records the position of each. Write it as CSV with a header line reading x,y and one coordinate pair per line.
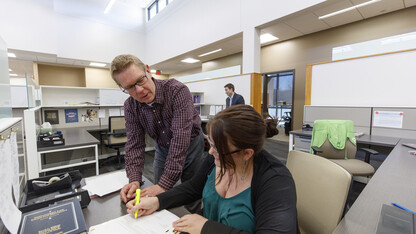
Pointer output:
x,y
57,82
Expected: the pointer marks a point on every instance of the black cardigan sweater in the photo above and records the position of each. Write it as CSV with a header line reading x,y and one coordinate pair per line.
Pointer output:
x,y
273,196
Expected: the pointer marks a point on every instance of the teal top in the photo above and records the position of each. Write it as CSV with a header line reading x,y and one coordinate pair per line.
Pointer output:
x,y
337,132
234,211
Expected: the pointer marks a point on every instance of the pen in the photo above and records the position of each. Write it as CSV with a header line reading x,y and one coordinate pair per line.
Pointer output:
x,y
403,208
137,201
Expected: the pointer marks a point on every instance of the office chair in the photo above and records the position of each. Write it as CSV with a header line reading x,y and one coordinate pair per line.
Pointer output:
x,y
335,140
116,137
322,189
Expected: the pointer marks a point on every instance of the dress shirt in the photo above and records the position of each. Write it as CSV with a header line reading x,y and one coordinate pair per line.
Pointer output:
x,y
171,121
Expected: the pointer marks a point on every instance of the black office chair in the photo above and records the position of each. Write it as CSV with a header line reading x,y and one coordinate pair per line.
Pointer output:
x,y
115,138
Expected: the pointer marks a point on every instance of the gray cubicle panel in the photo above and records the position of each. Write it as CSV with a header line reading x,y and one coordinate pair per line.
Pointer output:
x,y
360,115
409,123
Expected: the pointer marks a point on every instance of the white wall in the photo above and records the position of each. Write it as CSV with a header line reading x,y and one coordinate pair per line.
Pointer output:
x,y
190,24
185,25
35,26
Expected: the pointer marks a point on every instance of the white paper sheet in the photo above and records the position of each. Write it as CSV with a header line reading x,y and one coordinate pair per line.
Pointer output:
x,y
15,166
105,184
158,222
211,110
218,109
9,213
388,119
101,113
114,112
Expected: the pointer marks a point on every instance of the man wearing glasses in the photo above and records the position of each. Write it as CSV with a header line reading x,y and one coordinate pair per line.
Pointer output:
x,y
163,109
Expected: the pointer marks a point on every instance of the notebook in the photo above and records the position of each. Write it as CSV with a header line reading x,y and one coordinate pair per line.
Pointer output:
x,y
395,220
411,145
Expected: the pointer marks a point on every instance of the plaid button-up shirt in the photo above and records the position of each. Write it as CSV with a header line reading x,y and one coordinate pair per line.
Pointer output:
x,y
171,121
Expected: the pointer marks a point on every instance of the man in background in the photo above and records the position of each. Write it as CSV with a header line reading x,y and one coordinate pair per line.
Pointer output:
x,y
233,98
164,110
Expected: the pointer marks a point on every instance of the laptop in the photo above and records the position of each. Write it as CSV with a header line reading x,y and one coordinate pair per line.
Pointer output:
x,y
411,145
395,220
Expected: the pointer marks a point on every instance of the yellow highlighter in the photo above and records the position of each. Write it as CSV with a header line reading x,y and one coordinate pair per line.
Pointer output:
x,y
137,201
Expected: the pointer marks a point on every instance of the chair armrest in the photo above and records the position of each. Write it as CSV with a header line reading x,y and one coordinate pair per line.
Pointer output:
x,y
316,149
368,152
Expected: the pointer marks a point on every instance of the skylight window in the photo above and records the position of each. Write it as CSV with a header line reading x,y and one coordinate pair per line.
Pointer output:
x,y
156,7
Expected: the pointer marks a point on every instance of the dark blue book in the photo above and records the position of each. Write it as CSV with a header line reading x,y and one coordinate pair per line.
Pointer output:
x,y
63,217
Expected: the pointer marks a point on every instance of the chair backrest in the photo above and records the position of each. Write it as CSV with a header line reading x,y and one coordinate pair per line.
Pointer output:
x,y
322,188
117,128
335,137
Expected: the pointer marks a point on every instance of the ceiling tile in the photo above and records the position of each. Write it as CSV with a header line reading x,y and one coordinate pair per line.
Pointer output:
x,y
82,63
282,31
65,61
46,59
409,3
306,24
378,8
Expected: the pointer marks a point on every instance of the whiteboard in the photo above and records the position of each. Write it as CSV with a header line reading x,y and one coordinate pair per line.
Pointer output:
x,y
382,80
213,89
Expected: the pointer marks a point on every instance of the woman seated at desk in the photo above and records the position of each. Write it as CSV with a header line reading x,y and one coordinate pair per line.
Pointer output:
x,y
242,186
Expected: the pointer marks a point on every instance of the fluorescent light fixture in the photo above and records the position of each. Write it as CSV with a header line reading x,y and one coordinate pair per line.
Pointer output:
x,y
214,51
109,6
348,9
267,37
190,60
97,64
153,71
11,55
12,74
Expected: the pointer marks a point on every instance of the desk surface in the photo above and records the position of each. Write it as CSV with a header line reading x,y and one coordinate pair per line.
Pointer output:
x,y
394,182
102,209
73,137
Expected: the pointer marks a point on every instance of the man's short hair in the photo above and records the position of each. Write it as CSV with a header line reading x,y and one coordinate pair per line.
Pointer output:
x,y
229,86
122,62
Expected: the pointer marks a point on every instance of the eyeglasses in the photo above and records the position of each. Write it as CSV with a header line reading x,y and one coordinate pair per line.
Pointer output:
x,y
140,82
216,151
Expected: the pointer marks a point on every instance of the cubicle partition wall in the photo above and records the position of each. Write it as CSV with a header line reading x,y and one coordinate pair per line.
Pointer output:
x,y
361,116
366,120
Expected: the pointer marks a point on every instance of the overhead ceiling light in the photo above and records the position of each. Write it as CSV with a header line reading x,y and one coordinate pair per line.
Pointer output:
x,y
109,6
190,60
348,9
97,64
214,51
267,37
11,55
12,74
10,69
153,71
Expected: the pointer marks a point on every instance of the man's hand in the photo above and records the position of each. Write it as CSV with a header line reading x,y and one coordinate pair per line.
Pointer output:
x,y
129,191
191,223
151,191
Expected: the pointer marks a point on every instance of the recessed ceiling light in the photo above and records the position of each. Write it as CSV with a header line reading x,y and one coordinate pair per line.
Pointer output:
x,y
97,64
11,55
348,9
190,60
214,51
267,37
12,74
109,6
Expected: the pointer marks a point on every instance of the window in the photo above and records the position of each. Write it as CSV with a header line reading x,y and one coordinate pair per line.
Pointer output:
x,y
156,7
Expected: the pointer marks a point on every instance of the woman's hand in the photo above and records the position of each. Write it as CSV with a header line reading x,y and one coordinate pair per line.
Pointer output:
x,y
146,206
191,223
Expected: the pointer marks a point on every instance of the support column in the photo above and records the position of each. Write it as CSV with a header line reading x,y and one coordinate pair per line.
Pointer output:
x,y
251,50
